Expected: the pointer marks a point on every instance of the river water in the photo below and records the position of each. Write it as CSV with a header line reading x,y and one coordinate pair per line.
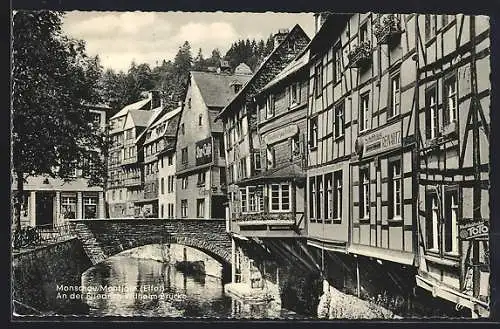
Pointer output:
x,y
144,287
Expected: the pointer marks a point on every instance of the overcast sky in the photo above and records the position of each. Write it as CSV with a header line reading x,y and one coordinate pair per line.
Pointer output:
x,y
120,37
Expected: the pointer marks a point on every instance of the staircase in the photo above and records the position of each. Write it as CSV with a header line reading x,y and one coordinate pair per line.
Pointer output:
x,y
90,245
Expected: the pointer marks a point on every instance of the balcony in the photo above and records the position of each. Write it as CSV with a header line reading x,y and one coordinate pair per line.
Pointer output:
x,y
267,224
128,161
361,55
388,30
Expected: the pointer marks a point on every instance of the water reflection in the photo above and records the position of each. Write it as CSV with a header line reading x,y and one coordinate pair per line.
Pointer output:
x,y
125,286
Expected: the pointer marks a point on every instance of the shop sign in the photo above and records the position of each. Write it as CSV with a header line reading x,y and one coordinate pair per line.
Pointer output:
x,y
379,141
204,151
281,134
473,231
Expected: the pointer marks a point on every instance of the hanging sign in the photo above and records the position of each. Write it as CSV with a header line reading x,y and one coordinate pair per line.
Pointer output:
x,y
474,230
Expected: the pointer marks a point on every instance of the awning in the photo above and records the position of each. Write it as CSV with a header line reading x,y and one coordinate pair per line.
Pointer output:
x,y
340,247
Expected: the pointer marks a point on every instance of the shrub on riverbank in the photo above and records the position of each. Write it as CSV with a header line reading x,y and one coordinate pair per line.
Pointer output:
x,y
334,304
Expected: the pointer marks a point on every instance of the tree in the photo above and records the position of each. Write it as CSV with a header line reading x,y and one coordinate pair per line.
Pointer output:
x,y
52,79
199,62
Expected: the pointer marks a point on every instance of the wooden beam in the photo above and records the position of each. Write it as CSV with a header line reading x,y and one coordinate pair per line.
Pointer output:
x,y
311,257
285,246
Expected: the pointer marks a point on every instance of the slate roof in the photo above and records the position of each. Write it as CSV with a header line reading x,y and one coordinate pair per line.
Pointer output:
x,y
216,88
242,91
162,118
298,63
134,106
141,117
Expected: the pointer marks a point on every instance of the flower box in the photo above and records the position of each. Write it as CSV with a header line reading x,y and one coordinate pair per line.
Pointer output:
x,y
360,55
387,29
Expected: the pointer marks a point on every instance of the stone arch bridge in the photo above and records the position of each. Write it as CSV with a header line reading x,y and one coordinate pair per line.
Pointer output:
x,y
103,238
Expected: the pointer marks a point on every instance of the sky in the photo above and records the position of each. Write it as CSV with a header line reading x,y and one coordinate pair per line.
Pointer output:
x,y
149,37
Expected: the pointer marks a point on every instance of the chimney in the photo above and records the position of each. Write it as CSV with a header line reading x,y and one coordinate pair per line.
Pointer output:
x,y
154,95
280,36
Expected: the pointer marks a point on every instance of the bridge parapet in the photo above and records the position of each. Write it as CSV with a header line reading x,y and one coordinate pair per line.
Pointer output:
x,y
103,238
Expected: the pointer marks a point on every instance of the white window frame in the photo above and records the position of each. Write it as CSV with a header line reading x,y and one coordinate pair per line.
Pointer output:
x,y
339,123
280,197
364,112
337,195
200,208
451,99
313,195
435,222
364,185
397,191
184,208
243,200
395,95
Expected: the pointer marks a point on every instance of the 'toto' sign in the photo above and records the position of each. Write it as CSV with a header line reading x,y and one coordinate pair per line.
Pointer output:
x,y
474,231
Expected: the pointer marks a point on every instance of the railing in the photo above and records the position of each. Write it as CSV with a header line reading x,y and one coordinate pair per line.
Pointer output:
x,y
41,235
267,217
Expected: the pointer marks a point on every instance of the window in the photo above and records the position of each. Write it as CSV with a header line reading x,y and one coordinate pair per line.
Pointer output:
x,y
170,210
162,186
312,197
161,211
337,70
430,27
295,146
364,193
395,189
270,106
189,102
337,195
431,113
90,207
395,96
243,199
320,200
184,183
254,199
329,197
270,154
222,149
222,175
450,101
171,180
200,208
161,163
313,134
450,229
339,120
363,112
170,160
280,197
432,223
256,162
230,173
184,208
294,94
200,120
68,207
184,155
243,168
318,80
363,32
201,178
182,129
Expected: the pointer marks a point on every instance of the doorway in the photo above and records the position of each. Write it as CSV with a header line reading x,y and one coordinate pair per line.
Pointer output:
x,y
44,208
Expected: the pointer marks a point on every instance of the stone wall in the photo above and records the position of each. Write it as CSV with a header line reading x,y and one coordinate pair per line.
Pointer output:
x,y
37,273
